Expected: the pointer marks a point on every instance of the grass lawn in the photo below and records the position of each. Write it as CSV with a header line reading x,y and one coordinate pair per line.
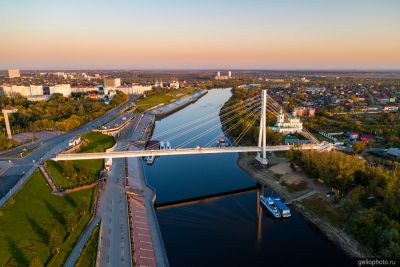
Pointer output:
x,y
92,142
161,98
323,209
28,219
89,253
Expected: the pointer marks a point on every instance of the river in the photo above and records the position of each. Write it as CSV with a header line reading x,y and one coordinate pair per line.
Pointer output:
x,y
225,232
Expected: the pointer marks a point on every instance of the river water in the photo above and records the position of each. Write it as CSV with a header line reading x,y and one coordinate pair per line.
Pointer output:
x,y
225,232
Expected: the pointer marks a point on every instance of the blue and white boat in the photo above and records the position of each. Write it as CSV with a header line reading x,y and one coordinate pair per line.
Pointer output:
x,y
275,206
150,160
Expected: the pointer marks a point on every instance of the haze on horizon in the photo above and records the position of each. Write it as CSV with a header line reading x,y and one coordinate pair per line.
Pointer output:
x,y
179,34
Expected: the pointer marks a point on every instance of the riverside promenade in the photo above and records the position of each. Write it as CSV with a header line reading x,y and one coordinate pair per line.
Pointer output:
x,y
147,244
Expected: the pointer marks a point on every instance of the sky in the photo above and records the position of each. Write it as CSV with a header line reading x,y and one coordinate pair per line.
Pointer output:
x,y
200,34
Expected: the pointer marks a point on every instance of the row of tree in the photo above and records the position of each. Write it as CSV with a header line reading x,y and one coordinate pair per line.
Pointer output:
x,y
369,197
58,113
76,174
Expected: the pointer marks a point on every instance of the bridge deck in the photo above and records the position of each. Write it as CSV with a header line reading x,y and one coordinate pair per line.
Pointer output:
x,y
181,151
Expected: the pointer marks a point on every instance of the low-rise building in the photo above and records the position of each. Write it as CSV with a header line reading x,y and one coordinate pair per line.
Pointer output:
x,y
74,141
174,85
37,98
393,152
367,137
132,89
84,89
304,111
14,73
390,109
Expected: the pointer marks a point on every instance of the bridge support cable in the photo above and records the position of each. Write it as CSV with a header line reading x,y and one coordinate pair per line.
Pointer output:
x,y
224,112
244,132
237,108
187,131
216,127
227,131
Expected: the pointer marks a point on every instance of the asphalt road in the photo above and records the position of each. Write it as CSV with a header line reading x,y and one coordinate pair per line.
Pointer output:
x,y
115,245
16,168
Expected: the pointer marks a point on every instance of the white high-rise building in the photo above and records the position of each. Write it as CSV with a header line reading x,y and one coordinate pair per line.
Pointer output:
x,y
112,82
26,91
223,77
36,90
64,89
14,73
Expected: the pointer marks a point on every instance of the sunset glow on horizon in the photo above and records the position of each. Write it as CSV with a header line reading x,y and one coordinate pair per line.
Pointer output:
x,y
286,34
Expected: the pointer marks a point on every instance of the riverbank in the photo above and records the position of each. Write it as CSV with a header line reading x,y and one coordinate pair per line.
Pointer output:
x,y
147,246
266,177
164,110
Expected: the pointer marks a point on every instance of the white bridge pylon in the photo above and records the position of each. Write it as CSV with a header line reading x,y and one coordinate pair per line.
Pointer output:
x,y
262,135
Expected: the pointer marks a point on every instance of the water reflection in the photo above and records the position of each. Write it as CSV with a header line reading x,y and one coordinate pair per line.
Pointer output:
x,y
260,192
229,231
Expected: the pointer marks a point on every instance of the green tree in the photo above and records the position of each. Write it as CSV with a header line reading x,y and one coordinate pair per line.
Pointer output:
x,y
358,147
69,170
83,207
36,262
273,138
84,173
55,241
71,222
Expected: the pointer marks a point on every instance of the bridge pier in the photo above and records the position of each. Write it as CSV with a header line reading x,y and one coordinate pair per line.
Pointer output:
x,y
262,138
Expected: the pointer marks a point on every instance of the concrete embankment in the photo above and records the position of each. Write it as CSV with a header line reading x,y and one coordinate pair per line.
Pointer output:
x,y
337,236
165,110
147,244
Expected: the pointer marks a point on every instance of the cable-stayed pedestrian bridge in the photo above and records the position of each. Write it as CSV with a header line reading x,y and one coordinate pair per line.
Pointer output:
x,y
239,118
184,151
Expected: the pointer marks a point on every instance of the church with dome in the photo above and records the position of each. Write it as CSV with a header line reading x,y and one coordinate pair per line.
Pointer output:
x,y
289,126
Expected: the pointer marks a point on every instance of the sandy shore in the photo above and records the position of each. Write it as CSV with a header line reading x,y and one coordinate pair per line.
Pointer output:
x,y
336,235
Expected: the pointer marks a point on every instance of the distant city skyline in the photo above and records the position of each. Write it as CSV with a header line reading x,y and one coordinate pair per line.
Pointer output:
x,y
215,35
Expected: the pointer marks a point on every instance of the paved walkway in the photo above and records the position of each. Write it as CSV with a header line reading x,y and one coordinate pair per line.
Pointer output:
x,y
80,244
143,249
148,247
49,178
306,195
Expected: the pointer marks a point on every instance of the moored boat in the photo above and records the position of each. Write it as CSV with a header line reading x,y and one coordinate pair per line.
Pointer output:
x,y
275,206
150,160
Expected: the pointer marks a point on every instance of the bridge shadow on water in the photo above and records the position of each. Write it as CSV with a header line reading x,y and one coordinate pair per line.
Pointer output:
x,y
206,198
